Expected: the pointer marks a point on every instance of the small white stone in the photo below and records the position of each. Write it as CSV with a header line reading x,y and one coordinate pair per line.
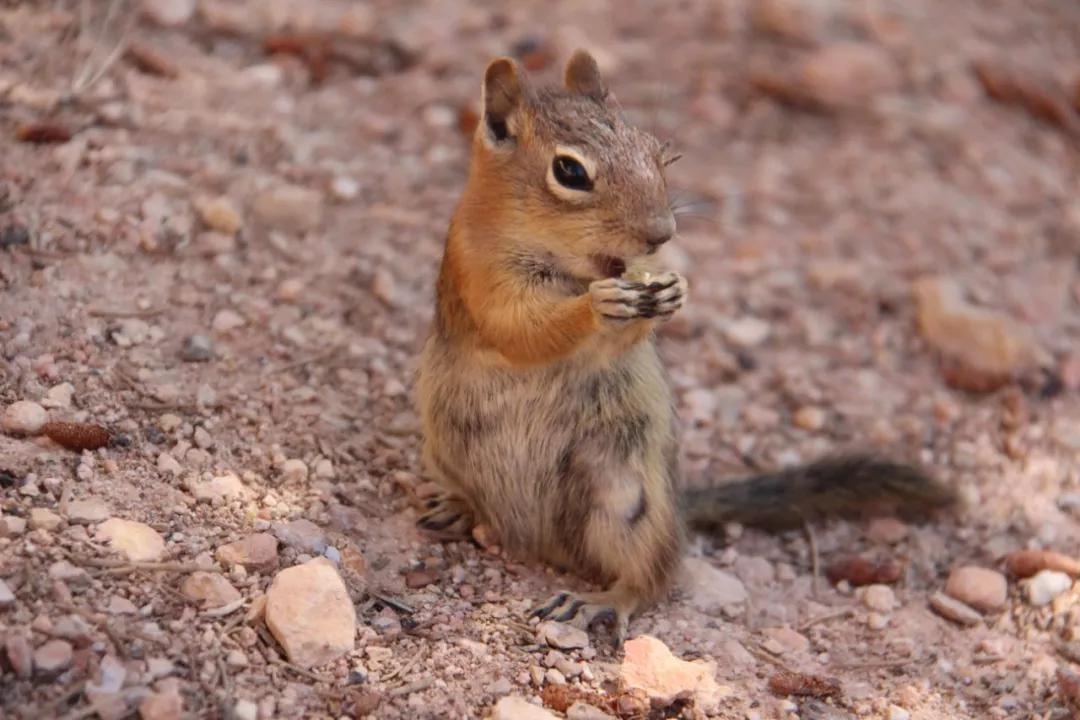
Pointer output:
x,y
24,418
898,713
7,598
166,463
344,188
294,470
747,332
1046,585
59,396
245,710
879,597
227,320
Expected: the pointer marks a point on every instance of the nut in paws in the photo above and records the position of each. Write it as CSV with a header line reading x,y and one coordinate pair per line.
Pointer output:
x,y
620,299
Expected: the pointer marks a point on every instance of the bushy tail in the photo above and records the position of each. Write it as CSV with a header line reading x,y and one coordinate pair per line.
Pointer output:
x,y
845,486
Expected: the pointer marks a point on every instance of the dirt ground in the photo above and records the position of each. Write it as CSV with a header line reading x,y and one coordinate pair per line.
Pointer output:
x,y
218,238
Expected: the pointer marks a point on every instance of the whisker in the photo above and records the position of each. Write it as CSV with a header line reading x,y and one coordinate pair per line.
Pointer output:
x,y
667,162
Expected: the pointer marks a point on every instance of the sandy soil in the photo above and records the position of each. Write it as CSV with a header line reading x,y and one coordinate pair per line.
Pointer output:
x,y
822,181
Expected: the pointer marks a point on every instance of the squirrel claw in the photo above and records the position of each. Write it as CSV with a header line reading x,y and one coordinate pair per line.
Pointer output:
x,y
620,300
585,611
446,514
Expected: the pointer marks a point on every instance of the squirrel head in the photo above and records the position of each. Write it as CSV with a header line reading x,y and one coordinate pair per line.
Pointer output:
x,y
560,171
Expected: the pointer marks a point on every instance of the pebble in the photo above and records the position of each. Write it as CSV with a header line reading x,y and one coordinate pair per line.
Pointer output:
x,y
500,687
809,418
245,710
562,636
324,469
220,487
87,512
44,519
747,332
59,397
121,606
290,290
212,243
1046,585
1025,563
220,214
294,470
202,438
983,344
309,611
289,208
848,74
886,530
302,535
784,641
7,598
19,654
169,13
197,348
166,463
708,588
583,711
66,572
53,657
23,418
11,526
256,553
137,541
980,588
416,579
515,707
344,188
209,590
954,610
649,665
879,597
227,320
162,706
554,677
898,713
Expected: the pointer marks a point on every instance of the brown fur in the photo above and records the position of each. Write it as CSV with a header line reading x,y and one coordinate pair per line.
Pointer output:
x,y
546,412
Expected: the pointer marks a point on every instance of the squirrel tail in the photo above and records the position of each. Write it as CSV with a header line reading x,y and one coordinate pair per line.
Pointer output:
x,y
834,487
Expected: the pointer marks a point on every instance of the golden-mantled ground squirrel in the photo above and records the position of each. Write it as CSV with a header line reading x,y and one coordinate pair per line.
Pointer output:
x,y
546,411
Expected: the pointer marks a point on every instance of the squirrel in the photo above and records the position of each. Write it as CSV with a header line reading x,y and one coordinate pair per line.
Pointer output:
x,y
546,412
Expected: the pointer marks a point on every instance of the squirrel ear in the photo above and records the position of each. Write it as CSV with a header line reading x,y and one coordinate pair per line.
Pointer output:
x,y
583,75
502,95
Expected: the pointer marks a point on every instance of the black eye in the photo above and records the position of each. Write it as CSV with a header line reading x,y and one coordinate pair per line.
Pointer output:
x,y
570,173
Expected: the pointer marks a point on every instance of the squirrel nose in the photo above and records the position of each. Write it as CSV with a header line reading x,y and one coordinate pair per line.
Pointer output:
x,y
660,229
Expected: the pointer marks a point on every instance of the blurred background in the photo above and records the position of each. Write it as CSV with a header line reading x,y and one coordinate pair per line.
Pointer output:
x,y
220,222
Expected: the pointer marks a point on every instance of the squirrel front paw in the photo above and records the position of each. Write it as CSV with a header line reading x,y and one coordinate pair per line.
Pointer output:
x,y
658,297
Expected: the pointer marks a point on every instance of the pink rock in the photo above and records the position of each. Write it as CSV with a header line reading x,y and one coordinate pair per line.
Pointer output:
x,y
649,665
209,590
137,541
981,588
309,611
257,553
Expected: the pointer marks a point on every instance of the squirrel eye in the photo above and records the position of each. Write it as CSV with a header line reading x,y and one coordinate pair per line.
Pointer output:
x,y
571,174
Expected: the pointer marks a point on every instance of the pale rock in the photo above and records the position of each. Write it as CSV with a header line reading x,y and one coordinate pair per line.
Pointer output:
x,y
209,590
257,553
302,535
121,606
23,418
981,588
708,588
66,572
227,320
290,290
166,463
878,597
784,641
162,706
87,512
245,710
136,541
44,519
649,665
59,396
19,654
324,469
1046,585
220,487
562,636
809,418
554,677
289,208
954,610
344,188
111,674
7,598
219,214
583,711
202,438
309,612
515,707
11,526
898,713
747,332
848,74
886,530
53,658
169,13
294,470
